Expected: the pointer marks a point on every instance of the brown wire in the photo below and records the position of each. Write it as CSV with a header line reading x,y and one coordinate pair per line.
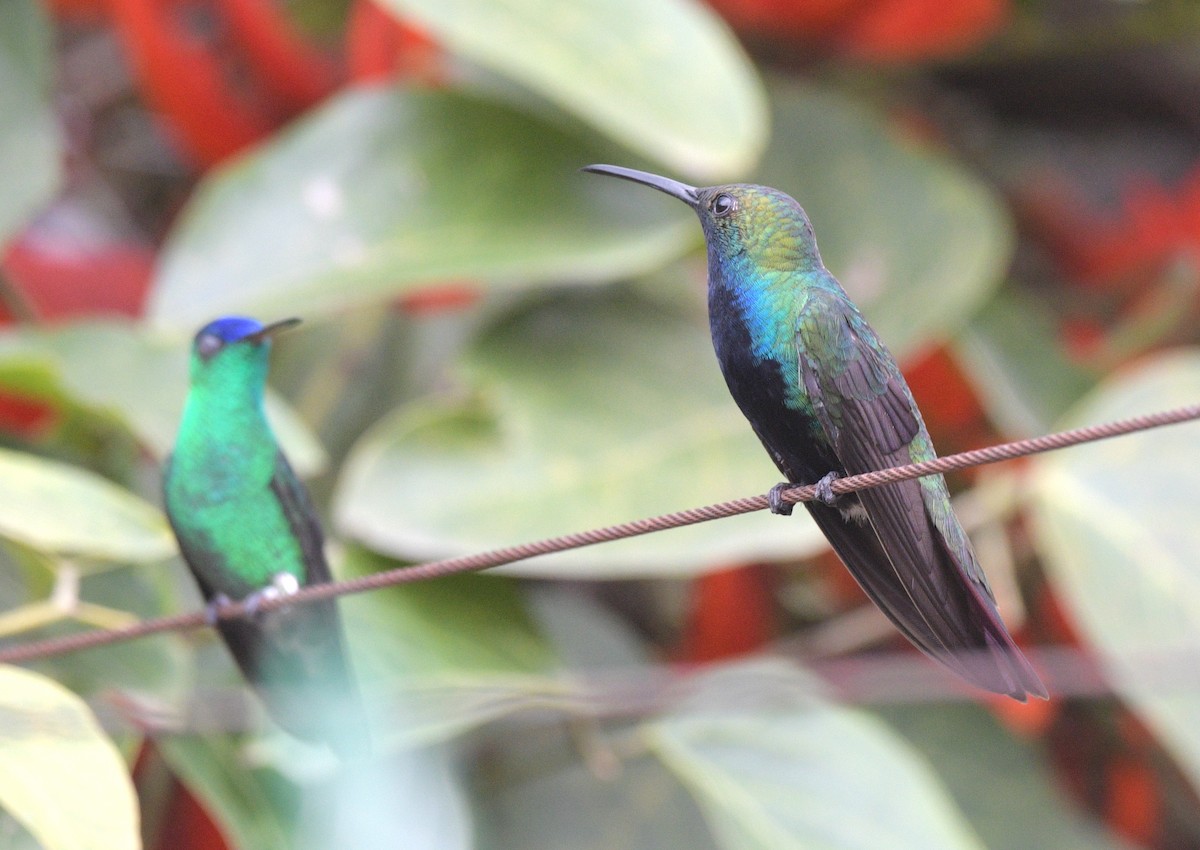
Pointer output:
x,y
509,554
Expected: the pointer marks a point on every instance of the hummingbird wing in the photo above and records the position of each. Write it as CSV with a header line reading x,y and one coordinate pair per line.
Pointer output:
x,y
901,541
301,515
316,698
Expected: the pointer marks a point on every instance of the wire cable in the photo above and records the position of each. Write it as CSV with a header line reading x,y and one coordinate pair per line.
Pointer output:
x,y
37,649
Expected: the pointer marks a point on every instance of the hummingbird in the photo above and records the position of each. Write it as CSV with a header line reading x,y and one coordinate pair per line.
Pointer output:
x,y
826,399
248,530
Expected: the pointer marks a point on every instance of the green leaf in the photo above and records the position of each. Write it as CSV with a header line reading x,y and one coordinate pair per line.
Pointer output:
x,y
57,508
1115,523
585,634
121,370
588,408
384,190
16,837
29,147
1018,368
59,775
998,780
775,766
562,803
236,794
109,367
439,657
667,78
159,666
917,241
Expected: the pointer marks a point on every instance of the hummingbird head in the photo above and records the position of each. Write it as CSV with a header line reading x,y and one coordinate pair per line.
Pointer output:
x,y
229,331
765,225
234,344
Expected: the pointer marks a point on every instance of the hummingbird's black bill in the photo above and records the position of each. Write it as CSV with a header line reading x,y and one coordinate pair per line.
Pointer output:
x,y
270,330
682,191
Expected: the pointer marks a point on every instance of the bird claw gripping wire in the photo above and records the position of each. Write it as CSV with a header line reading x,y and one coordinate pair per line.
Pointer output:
x,y
823,491
282,584
212,611
775,499
824,488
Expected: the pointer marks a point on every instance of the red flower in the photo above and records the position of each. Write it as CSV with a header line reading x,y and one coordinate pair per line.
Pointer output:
x,y
224,74
732,613
874,30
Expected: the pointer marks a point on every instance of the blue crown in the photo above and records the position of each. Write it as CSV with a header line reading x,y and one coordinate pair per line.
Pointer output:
x,y
230,328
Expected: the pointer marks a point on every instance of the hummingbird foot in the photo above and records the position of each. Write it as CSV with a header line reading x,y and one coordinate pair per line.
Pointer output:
x,y
282,584
775,499
212,609
824,488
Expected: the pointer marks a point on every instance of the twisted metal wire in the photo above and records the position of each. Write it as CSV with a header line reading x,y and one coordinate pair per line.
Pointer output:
x,y
32,650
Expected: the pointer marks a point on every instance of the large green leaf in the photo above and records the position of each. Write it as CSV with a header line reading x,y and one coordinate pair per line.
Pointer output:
x,y
435,658
915,239
587,408
59,775
585,634
1116,527
562,803
384,190
29,149
62,509
666,78
16,837
773,765
998,780
1019,370
235,793
157,667
120,369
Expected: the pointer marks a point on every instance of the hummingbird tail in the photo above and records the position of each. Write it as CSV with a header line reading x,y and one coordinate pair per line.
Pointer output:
x,y
959,627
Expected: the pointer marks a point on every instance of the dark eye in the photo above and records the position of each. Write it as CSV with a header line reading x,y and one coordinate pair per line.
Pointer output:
x,y
208,345
723,205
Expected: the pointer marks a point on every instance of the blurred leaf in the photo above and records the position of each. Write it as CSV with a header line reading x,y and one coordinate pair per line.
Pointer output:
x,y
916,240
59,775
667,78
384,190
66,510
1115,523
106,366
300,445
439,657
775,766
998,780
157,666
584,633
121,370
16,837
1013,355
589,408
230,789
29,147
541,797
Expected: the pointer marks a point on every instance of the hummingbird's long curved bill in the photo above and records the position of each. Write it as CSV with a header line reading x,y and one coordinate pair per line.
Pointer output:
x,y
271,329
688,194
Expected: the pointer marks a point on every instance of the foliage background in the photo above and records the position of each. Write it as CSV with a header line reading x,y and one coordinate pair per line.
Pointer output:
x,y
498,348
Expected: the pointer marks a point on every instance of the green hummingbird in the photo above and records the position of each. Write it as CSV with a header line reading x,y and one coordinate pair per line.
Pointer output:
x,y
826,398
247,530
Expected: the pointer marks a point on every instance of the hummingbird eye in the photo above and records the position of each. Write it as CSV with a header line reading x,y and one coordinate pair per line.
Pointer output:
x,y
722,205
208,345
